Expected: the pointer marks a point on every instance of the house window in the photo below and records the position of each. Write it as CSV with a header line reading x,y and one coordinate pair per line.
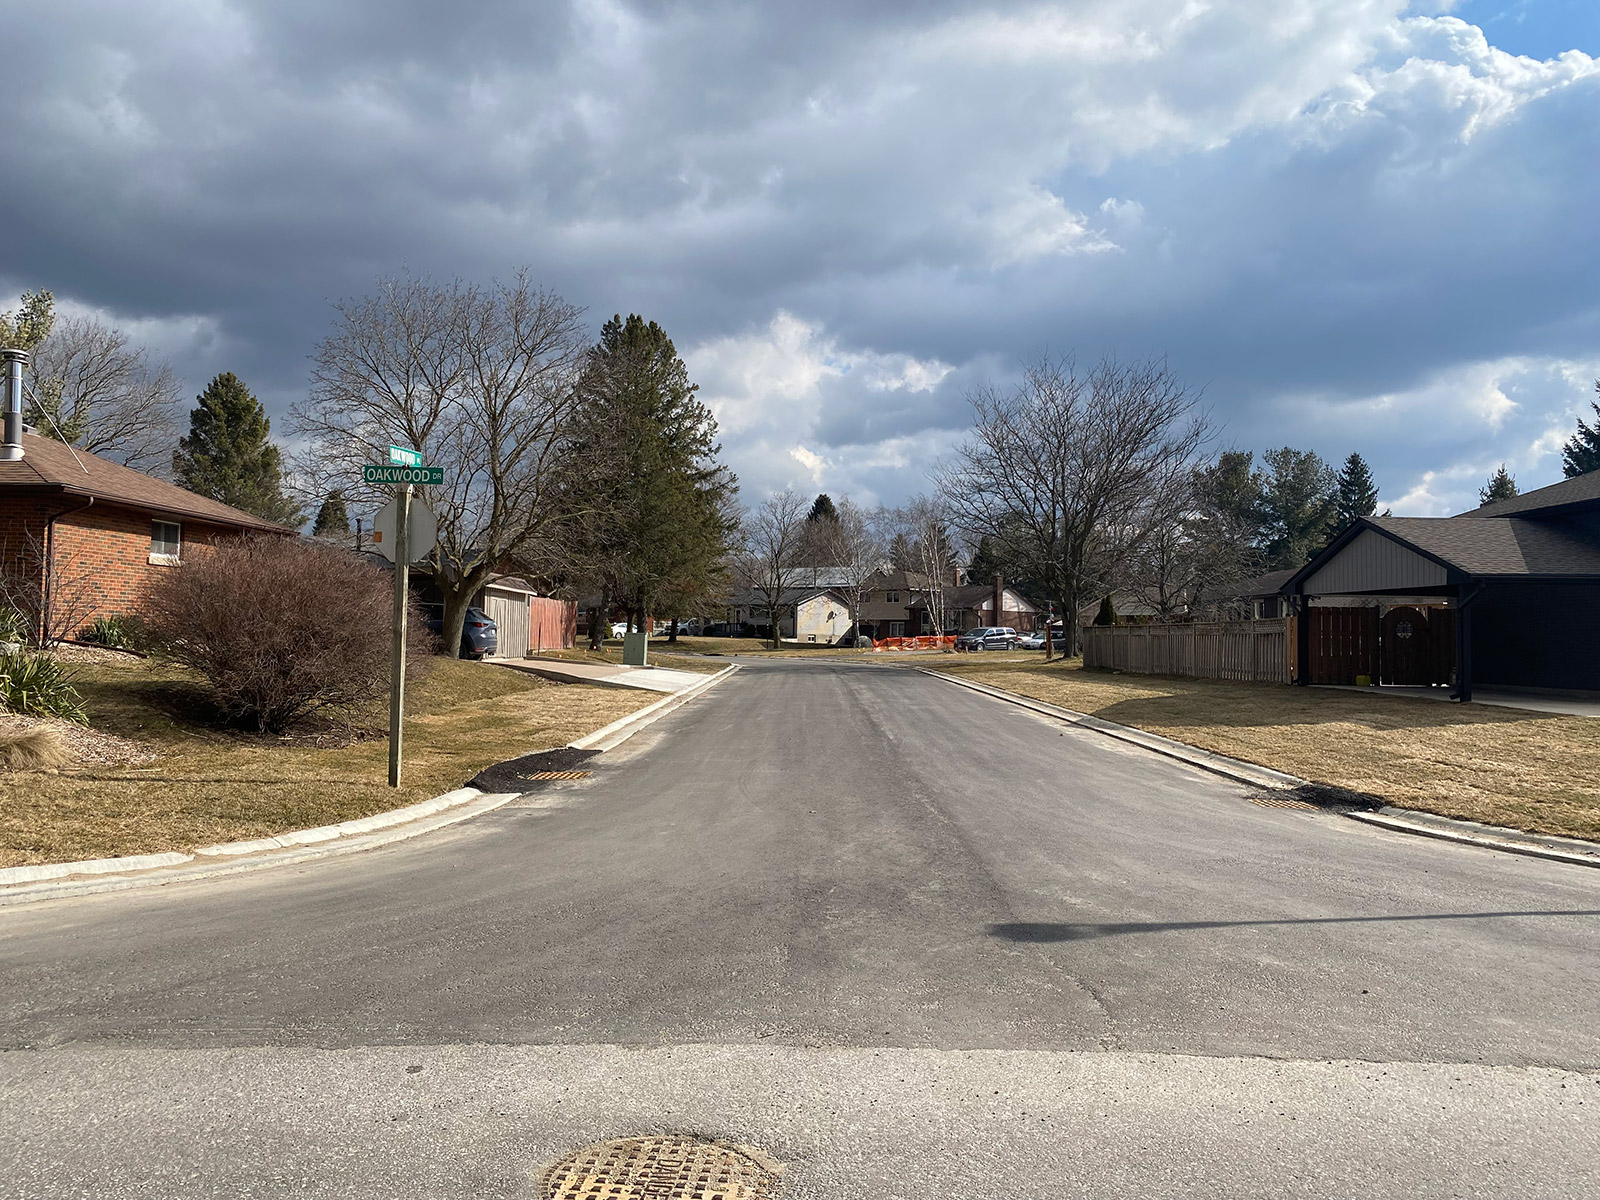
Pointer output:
x,y
897,629
164,541
892,597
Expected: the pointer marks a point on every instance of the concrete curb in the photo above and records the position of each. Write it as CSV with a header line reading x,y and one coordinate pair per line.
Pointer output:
x,y
475,805
48,881
1396,820
621,730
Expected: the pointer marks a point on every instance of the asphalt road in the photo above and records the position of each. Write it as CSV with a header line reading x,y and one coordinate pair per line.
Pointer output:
x,y
909,940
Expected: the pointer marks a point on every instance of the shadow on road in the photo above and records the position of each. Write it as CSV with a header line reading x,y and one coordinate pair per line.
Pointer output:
x,y
1052,931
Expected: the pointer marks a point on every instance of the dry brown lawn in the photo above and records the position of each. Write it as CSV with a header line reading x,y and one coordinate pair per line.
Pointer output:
x,y
208,784
1504,766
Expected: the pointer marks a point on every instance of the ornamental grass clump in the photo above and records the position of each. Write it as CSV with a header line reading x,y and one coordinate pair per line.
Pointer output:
x,y
281,628
37,684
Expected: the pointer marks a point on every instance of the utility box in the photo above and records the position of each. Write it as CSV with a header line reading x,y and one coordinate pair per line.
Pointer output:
x,y
635,649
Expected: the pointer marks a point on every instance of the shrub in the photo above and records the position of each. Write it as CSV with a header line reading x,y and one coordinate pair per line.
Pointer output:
x,y
36,683
281,628
36,749
106,631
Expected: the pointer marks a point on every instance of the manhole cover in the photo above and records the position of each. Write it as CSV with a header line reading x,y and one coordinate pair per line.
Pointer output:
x,y
659,1169
559,775
1275,802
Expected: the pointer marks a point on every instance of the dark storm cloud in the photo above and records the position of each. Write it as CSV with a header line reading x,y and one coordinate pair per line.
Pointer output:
x,y
846,213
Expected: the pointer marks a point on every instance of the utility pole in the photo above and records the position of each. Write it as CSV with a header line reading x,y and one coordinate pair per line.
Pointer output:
x,y
397,654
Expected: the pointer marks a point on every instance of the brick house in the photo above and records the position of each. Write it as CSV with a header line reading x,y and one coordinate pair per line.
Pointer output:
x,y
82,537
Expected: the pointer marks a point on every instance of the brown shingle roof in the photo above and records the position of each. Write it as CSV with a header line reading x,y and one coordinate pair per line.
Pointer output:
x,y
49,464
1582,489
1499,545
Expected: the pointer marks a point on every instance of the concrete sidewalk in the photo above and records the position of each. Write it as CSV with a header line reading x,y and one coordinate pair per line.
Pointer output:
x,y
650,679
1573,706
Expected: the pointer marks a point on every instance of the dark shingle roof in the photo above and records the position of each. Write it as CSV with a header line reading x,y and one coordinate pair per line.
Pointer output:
x,y
1584,489
1499,545
1269,584
47,463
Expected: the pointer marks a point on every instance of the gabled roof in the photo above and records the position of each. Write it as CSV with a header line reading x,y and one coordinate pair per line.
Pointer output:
x,y
1498,545
1269,584
51,465
1582,490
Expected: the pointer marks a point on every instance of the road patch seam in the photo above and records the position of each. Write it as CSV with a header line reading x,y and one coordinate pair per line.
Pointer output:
x,y
47,881
1396,820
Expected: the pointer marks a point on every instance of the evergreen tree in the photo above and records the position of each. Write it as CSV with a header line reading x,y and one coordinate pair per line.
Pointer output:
x,y
30,324
1501,486
902,555
227,455
822,509
1357,494
1107,614
1299,506
1582,454
659,530
985,562
332,519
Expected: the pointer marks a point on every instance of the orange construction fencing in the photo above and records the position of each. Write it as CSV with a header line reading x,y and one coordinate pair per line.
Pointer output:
x,y
915,643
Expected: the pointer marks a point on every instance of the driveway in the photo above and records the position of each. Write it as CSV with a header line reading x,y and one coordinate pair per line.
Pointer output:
x,y
907,939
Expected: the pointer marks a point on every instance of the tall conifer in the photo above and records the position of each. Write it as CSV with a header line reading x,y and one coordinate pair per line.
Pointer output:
x,y
228,457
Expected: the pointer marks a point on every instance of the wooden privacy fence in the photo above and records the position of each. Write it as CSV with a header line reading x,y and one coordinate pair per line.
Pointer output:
x,y
552,624
1246,651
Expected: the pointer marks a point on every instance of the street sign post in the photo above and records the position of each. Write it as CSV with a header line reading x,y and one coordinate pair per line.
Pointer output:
x,y
373,473
397,652
403,531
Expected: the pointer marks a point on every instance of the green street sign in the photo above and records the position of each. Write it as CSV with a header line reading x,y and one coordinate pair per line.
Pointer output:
x,y
425,475
402,457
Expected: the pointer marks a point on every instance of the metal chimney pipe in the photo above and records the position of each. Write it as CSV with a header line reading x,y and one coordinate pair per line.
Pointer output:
x,y
11,450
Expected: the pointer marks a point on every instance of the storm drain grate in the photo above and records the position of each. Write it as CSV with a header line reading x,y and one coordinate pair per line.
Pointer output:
x,y
659,1169
1276,802
559,775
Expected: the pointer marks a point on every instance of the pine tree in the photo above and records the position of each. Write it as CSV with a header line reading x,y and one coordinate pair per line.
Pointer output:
x,y
822,509
1107,614
661,530
985,562
1299,503
1357,495
1582,454
1501,486
227,455
332,519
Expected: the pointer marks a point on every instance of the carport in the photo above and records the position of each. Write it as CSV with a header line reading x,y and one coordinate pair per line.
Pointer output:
x,y
1505,596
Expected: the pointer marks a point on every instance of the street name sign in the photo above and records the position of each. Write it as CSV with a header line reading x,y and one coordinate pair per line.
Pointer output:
x,y
418,475
402,457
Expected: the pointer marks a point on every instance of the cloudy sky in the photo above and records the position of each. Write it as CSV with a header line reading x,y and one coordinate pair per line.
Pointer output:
x,y
1358,224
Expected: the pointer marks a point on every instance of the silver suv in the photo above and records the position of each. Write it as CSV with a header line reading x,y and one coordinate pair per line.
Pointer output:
x,y
992,637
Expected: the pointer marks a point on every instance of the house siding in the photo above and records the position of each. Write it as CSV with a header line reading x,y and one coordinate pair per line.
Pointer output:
x,y
1375,563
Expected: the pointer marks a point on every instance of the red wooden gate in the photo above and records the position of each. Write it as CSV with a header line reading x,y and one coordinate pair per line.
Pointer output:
x,y
1344,644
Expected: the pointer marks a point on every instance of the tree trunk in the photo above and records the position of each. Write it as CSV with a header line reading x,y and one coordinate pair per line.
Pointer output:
x,y
457,599
672,634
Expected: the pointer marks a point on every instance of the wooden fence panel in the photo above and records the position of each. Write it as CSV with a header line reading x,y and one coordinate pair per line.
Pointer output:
x,y
552,624
1244,651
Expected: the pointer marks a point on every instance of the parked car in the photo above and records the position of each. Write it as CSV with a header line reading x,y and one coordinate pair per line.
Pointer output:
x,y
992,637
1031,641
480,636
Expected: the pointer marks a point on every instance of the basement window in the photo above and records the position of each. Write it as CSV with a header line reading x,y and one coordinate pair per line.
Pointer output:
x,y
164,542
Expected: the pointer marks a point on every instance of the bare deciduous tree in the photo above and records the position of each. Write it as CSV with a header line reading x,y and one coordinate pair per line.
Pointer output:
x,y
925,525
481,381
1067,466
856,550
54,589
93,389
771,534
